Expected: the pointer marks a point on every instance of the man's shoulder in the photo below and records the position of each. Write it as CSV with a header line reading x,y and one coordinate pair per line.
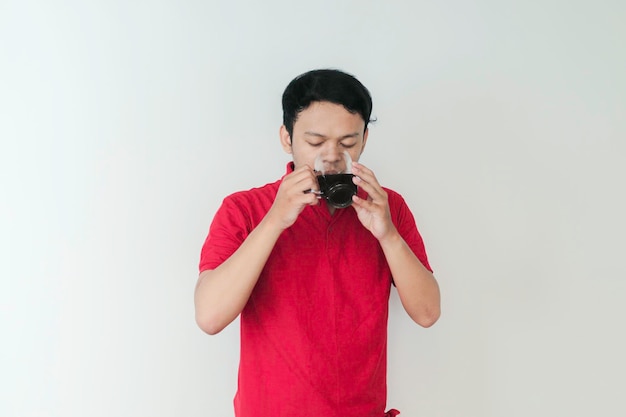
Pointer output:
x,y
393,196
398,206
263,192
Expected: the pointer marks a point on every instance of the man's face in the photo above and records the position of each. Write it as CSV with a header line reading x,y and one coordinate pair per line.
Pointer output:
x,y
325,129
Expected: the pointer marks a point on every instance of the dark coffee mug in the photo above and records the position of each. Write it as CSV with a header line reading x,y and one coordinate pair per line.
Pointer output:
x,y
338,189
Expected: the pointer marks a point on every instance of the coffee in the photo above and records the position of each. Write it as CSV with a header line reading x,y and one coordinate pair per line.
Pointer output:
x,y
338,189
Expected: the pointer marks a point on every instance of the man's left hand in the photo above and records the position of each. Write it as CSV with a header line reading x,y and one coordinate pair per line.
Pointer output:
x,y
373,212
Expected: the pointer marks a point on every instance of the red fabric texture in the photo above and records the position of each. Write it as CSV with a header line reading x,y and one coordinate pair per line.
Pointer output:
x,y
314,331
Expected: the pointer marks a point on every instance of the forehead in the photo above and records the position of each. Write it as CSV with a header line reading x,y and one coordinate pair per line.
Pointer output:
x,y
326,115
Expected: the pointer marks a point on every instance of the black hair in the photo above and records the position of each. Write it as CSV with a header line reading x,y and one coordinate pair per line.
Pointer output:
x,y
325,85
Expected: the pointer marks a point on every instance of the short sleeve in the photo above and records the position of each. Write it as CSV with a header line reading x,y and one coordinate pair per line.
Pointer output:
x,y
405,223
230,227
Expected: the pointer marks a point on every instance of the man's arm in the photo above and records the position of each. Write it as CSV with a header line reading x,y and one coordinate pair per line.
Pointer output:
x,y
222,293
417,287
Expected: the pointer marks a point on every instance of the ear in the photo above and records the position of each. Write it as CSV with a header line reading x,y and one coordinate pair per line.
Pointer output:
x,y
285,139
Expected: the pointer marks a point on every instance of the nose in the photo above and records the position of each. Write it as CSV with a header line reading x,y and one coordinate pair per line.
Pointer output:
x,y
332,155
332,160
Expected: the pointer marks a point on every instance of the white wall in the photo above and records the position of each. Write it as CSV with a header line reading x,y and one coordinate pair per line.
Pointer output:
x,y
124,124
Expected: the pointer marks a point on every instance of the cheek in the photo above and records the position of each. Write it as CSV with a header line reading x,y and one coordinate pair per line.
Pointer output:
x,y
302,156
355,153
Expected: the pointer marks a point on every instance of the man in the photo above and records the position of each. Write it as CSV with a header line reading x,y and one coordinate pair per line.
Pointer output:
x,y
312,281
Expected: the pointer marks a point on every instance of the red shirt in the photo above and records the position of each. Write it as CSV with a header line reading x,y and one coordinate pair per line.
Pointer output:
x,y
314,331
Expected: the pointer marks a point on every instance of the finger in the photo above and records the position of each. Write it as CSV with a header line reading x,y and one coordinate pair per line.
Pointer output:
x,y
295,196
301,180
305,187
307,184
360,203
365,174
311,199
368,204
363,171
373,190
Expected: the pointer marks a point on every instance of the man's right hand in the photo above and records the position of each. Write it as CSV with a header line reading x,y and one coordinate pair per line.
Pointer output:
x,y
296,191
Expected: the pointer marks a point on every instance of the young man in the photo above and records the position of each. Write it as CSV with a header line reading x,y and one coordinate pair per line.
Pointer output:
x,y
311,281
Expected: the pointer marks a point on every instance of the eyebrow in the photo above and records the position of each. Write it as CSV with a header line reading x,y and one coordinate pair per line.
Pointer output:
x,y
319,135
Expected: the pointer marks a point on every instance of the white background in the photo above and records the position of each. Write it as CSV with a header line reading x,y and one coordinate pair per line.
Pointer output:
x,y
123,124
